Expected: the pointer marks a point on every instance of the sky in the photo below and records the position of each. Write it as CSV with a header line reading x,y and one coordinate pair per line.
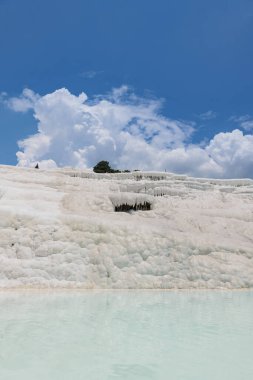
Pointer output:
x,y
153,85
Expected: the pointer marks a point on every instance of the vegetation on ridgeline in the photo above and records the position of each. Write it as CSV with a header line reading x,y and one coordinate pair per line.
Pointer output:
x,y
104,167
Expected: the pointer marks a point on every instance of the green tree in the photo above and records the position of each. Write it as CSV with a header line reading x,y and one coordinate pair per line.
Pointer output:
x,y
103,167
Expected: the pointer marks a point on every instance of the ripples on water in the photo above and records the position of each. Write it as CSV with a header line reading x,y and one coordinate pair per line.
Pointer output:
x,y
126,335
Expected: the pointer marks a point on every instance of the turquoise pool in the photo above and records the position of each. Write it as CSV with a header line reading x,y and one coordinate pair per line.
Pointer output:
x,y
133,335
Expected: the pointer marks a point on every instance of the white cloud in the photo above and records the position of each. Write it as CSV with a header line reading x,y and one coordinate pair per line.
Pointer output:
x,y
90,74
233,152
240,119
209,115
24,102
247,125
128,131
3,95
244,121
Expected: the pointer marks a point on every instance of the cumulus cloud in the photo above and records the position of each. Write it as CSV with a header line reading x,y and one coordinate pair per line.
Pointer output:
x,y
23,103
233,152
128,131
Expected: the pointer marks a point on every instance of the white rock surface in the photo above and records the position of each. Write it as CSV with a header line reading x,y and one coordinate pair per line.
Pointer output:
x,y
59,229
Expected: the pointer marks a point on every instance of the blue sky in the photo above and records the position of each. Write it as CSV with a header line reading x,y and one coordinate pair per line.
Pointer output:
x,y
195,55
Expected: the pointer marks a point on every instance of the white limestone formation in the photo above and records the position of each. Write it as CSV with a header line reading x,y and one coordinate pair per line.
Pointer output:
x,y
59,228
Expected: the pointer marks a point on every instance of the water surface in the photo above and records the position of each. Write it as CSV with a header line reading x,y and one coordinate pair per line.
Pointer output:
x,y
124,335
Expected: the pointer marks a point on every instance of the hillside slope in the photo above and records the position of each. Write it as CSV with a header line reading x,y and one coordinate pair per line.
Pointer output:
x,y
59,229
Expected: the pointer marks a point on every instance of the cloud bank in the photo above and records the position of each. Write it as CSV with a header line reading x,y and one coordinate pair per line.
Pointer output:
x,y
128,131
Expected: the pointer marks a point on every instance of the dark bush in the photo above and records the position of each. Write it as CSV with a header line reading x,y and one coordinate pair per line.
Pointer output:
x,y
103,167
